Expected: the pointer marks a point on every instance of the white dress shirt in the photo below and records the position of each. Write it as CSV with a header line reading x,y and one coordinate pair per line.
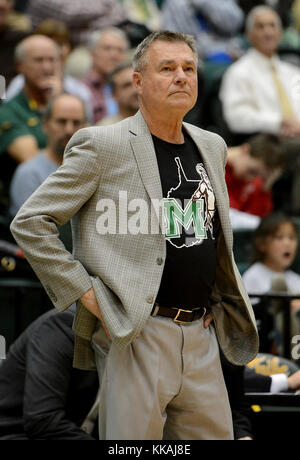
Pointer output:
x,y
249,97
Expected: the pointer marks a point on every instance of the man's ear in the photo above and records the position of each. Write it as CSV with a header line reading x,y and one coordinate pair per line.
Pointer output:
x,y
137,81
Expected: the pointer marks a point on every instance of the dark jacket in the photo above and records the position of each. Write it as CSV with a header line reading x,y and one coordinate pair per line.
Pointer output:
x,y
41,395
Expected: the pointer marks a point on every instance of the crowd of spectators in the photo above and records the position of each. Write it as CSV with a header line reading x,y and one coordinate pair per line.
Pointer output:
x,y
65,65
248,74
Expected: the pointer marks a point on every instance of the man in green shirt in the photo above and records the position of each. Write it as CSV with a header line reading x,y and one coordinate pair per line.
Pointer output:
x,y
21,132
21,135
20,120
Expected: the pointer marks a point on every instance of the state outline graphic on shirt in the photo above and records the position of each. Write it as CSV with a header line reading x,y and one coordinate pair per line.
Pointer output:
x,y
199,210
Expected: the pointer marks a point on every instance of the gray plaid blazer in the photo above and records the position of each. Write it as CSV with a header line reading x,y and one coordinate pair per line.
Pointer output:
x,y
125,270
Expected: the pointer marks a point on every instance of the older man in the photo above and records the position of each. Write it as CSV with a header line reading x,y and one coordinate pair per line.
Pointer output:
x,y
64,115
21,133
108,49
144,286
260,92
124,93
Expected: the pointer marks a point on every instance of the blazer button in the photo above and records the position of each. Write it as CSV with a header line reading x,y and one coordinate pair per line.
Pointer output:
x,y
150,299
159,260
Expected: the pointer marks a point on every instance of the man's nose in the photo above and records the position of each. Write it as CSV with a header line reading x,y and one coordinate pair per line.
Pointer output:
x,y
70,128
48,67
180,75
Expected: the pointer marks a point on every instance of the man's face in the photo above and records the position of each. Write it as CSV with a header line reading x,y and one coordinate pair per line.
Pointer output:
x,y
5,7
125,92
168,82
266,32
40,63
109,53
66,118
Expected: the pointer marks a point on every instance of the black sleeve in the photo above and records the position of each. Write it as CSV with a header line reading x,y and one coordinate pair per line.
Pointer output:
x,y
256,383
234,379
47,382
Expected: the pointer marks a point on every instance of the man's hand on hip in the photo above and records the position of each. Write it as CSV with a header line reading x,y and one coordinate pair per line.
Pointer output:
x,y
89,301
208,318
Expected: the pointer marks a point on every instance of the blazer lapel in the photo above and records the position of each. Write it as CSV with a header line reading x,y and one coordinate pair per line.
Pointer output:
x,y
143,149
215,171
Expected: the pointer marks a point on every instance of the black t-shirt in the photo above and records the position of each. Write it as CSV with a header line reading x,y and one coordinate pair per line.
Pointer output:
x,y
190,226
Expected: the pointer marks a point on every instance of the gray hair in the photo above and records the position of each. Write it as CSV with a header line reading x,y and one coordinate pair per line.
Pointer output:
x,y
139,57
47,113
98,34
20,49
250,20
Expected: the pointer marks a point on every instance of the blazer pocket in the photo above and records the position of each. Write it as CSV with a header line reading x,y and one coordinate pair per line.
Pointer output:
x,y
100,340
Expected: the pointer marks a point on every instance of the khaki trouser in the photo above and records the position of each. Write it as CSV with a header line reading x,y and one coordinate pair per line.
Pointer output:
x,y
167,384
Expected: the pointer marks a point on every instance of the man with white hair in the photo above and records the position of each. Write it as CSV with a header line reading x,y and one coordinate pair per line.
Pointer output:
x,y
108,49
21,133
259,92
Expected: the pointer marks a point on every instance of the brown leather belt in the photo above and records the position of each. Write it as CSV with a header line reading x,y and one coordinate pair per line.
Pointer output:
x,y
179,315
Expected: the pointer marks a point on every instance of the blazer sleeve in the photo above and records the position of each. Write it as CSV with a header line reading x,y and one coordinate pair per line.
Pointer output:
x,y
35,227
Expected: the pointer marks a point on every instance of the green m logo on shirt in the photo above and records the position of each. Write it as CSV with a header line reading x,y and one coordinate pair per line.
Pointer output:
x,y
191,214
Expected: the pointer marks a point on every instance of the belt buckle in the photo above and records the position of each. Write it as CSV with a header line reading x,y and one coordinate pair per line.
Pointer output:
x,y
178,313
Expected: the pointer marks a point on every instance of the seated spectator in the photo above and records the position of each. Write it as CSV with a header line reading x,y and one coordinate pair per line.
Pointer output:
x,y
282,7
42,397
63,116
250,172
213,23
275,248
257,92
108,49
58,32
21,134
82,18
124,93
9,38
